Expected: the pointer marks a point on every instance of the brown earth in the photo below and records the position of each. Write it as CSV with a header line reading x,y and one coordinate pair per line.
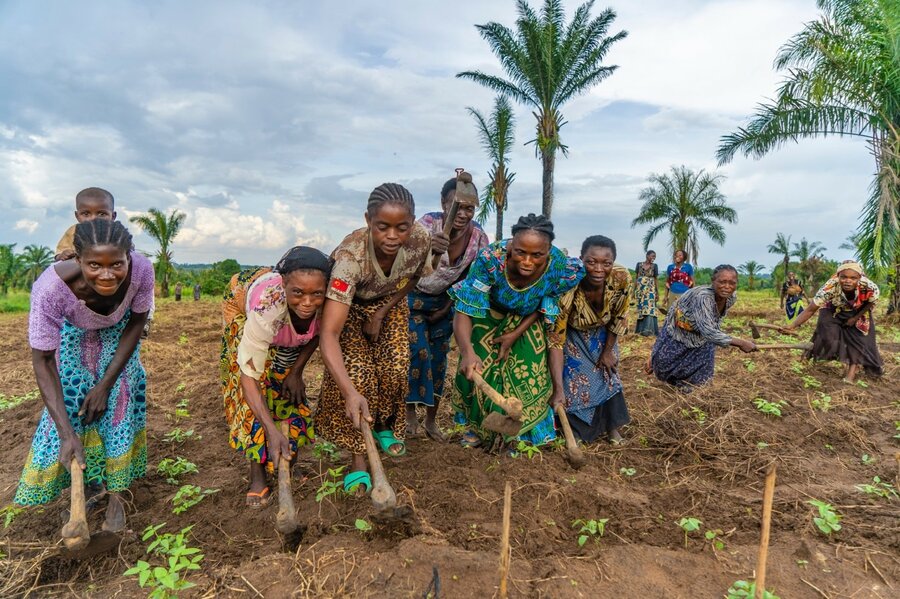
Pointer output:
x,y
700,455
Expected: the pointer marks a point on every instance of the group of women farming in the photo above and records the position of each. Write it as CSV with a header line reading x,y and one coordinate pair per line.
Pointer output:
x,y
528,320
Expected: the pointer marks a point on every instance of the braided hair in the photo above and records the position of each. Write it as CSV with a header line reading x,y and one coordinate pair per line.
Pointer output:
x,y
722,268
598,241
304,259
101,231
390,193
535,222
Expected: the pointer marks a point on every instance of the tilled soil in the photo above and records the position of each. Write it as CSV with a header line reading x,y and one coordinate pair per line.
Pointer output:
x,y
700,455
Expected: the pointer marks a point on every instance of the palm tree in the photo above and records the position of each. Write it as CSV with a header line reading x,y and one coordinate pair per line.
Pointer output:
x,y
842,78
752,269
685,203
810,256
163,229
9,266
34,260
497,135
547,63
782,247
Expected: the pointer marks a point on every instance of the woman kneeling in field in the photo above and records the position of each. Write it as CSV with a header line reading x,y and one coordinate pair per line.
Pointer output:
x,y
271,330
365,328
845,330
503,309
684,354
87,315
584,356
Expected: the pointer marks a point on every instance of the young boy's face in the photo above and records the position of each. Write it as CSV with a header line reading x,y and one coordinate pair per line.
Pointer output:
x,y
90,208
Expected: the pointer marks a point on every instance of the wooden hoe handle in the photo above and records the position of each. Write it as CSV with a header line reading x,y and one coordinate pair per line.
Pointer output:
x,y
383,496
76,534
576,456
511,405
286,520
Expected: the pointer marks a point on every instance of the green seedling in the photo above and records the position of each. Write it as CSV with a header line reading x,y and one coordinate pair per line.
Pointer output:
x,y
829,447
879,488
177,559
713,537
742,589
750,365
188,496
11,401
811,382
689,525
590,529
528,449
173,469
862,383
867,459
180,388
797,367
802,563
10,513
770,408
828,521
362,525
627,471
822,402
761,445
331,484
182,338
897,428
323,450
176,435
694,412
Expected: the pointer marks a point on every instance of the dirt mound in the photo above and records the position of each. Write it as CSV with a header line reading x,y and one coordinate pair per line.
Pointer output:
x,y
700,455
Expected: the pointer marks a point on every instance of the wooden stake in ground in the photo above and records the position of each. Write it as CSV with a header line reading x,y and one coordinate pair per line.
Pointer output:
x,y
768,495
504,540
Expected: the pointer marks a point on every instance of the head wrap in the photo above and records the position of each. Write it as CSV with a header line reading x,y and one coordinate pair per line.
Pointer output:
x,y
850,265
302,257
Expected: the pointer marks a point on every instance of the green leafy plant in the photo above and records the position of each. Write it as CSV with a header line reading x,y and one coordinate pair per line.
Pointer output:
x,y
822,402
177,559
10,513
182,338
331,484
11,401
897,428
323,450
694,412
879,488
528,449
811,382
770,408
714,538
741,589
867,459
362,525
761,445
797,367
828,521
689,525
627,471
750,365
188,496
180,388
176,435
862,383
590,529
175,468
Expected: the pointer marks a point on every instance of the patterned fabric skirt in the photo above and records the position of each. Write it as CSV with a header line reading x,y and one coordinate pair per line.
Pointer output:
x,y
793,306
245,433
429,344
834,341
677,364
588,388
524,374
115,446
379,371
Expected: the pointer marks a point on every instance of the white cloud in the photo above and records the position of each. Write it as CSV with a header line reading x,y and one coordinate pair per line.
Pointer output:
x,y
29,226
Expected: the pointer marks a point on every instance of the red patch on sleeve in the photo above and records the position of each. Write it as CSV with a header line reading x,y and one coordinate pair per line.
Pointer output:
x,y
339,285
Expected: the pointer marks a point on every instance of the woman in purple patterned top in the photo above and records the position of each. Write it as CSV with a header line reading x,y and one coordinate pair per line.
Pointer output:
x,y
87,314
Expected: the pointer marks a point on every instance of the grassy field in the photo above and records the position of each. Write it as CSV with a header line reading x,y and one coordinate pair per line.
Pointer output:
x,y
15,301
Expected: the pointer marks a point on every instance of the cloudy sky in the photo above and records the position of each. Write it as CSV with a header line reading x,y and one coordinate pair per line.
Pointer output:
x,y
268,123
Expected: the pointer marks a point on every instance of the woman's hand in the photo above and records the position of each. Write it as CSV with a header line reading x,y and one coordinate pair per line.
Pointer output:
x,y
372,328
94,404
469,364
745,345
439,314
70,447
439,243
608,363
505,341
357,408
278,445
557,398
294,388
851,322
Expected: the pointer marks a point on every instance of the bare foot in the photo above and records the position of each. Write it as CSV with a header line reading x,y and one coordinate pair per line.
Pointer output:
x,y
434,432
412,421
648,367
615,437
115,514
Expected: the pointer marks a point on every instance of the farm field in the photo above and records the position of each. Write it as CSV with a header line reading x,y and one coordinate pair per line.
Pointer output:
x,y
701,455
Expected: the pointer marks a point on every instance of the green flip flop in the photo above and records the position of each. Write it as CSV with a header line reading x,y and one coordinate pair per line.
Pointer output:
x,y
354,479
386,439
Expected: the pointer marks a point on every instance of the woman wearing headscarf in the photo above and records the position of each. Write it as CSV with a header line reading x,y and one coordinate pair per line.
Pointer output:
x,y
271,318
845,330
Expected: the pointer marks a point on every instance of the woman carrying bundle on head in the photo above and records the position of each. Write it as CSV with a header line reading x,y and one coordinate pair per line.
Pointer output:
x,y
845,330
646,293
84,328
584,356
684,354
271,330
431,310
503,310
365,328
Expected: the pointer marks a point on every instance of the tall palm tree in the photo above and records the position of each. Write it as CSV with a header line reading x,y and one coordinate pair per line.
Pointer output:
x,y
782,247
163,228
752,269
547,63
684,203
842,78
810,256
35,258
497,134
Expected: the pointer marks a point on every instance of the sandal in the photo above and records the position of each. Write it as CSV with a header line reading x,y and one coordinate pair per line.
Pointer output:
x,y
470,439
354,479
386,440
260,499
